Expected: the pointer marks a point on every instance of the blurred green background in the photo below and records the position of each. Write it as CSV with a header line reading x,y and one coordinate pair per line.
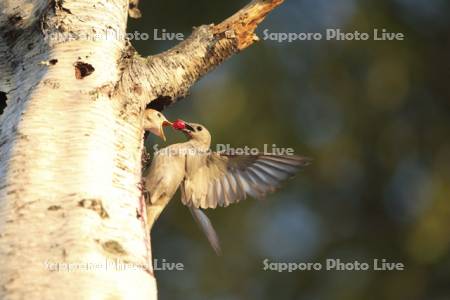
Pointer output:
x,y
374,115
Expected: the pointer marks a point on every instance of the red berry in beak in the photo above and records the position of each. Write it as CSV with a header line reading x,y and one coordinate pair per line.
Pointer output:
x,y
179,124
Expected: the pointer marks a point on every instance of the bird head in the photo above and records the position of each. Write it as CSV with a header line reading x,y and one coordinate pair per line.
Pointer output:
x,y
193,131
154,121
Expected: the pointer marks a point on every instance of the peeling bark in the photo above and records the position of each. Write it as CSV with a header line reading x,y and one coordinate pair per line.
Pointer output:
x,y
71,141
134,11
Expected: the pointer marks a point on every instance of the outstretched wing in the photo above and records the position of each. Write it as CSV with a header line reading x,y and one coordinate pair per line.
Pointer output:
x,y
217,179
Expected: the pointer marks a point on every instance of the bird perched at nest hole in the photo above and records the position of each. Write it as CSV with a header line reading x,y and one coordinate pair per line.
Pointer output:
x,y
154,122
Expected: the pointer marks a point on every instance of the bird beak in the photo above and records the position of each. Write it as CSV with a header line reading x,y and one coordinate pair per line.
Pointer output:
x,y
187,129
161,129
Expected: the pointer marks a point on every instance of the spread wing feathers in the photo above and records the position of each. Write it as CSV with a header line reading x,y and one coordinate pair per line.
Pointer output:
x,y
205,225
217,179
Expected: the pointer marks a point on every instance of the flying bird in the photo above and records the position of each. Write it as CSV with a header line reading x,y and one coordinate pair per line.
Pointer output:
x,y
209,179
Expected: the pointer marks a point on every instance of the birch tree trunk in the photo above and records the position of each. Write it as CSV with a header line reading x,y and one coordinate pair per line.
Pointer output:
x,y
71,140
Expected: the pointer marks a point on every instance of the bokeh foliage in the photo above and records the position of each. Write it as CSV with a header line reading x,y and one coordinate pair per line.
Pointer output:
x,y
374,116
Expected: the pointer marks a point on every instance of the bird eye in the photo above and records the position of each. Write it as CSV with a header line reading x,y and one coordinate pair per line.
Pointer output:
x,y
199,128
159,115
